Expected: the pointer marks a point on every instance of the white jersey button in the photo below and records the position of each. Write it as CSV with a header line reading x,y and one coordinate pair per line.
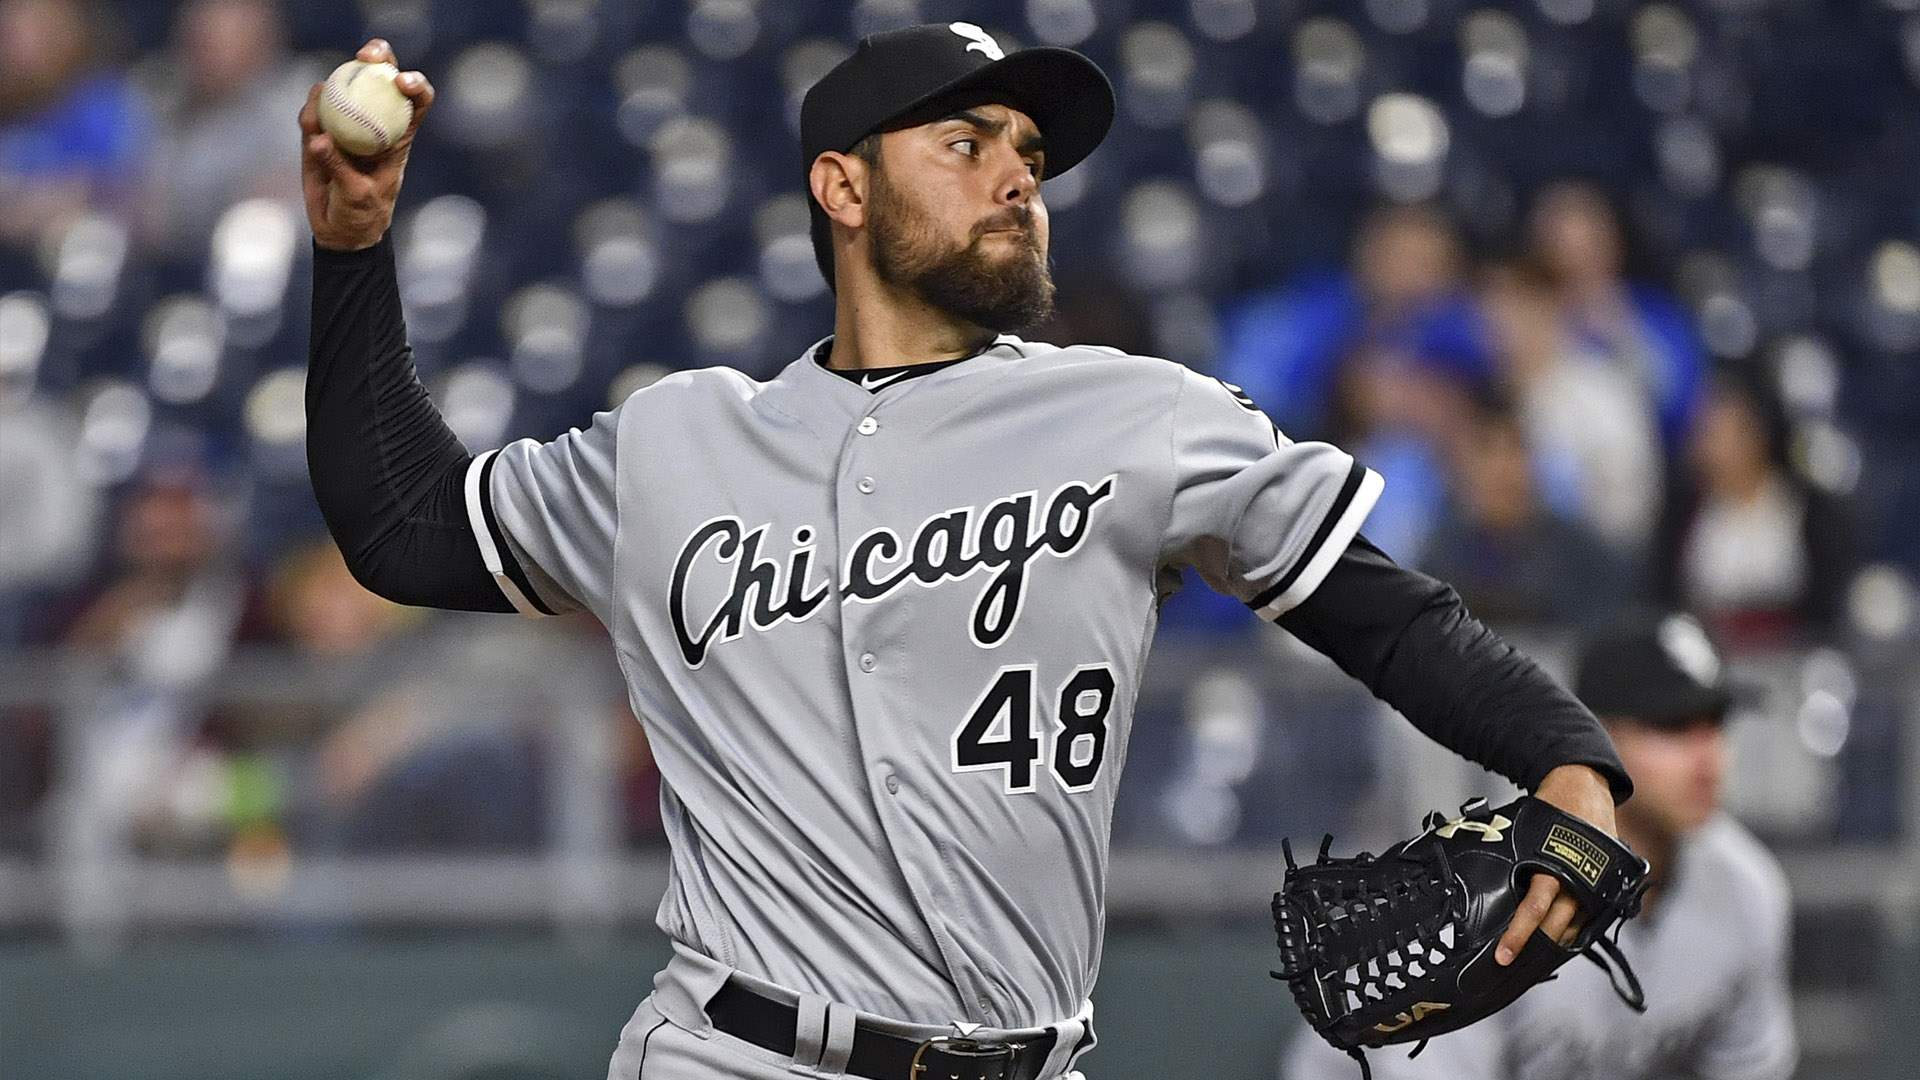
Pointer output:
x,y
893,785
865,485
868,425
868,662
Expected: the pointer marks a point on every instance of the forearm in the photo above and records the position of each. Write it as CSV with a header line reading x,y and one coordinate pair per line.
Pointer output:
x,y
1410,640
387,471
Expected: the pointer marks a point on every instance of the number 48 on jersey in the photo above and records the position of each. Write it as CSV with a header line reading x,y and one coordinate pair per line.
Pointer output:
x,y
999,730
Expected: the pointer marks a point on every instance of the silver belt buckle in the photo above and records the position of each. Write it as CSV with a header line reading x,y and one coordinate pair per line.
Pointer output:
x,y
978,1056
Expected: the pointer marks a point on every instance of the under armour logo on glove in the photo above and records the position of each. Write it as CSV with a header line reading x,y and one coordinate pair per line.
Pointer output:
x,y
1490,831
983,42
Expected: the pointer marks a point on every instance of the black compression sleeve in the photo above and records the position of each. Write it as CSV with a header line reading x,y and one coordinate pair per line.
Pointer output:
x,y
1410,639
386,470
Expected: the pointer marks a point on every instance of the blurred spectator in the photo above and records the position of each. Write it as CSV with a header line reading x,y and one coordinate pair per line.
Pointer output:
x,y
1223,724
322,612
72,135
163,626
1380,359
26,775
1753,547
412,762
1576,233
47,531
166,623
1405,290
1406,420
1592,427
179,600
413,774
225,102
1508,554
46,542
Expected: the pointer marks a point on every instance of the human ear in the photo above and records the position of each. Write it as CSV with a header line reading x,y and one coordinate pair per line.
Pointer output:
x,y
839,184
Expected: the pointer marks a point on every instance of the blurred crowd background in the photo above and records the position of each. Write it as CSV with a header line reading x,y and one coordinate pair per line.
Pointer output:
x,y
1621,297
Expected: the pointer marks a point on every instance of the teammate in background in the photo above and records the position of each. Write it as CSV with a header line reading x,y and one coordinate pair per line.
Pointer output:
x,y
884,615
1710,945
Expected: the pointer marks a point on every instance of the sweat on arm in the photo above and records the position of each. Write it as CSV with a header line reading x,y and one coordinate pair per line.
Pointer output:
x,y
387,471
1410,640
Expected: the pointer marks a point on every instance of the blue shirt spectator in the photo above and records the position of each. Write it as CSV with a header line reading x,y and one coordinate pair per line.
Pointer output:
x,y
72,137
1405,291
1576,232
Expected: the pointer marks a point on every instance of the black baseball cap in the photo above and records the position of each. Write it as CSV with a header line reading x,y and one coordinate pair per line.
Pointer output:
x,y
1660,668
894,76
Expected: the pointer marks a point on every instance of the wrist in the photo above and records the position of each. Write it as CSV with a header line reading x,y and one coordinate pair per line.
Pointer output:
x,y
1575,772
335,250
344,246
1580,790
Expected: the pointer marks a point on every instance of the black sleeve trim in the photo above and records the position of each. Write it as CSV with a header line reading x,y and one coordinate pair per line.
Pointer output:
x,y
1412,642
509,565
1334,513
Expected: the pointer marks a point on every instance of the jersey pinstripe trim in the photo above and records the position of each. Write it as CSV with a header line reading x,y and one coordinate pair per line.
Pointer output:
x,y
500,562
1342,523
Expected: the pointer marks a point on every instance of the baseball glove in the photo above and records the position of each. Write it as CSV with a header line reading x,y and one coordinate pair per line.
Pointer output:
x,y
1400,947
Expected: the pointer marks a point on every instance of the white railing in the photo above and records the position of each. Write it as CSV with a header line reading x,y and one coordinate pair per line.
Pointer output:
x,y
94,886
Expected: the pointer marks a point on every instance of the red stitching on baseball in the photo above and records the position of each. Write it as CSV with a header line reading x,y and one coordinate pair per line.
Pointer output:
x,y
337,96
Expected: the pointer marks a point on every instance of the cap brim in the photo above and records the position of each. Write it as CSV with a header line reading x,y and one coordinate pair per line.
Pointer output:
x,y
1066,94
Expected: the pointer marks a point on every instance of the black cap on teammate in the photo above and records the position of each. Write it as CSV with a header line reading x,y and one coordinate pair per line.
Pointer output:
x,y
1659,668
894,78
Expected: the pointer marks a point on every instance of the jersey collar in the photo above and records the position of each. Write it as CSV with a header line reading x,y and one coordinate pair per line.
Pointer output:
x,y
827,403
1007,345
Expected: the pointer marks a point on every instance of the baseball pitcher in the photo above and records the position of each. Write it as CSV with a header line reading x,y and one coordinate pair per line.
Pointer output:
x,y
884,616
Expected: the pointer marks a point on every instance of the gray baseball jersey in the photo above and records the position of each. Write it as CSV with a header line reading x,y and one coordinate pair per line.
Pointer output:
x,y
1712,957
886,644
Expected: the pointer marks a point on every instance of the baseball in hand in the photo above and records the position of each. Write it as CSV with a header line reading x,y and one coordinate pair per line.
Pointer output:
x,y
362,109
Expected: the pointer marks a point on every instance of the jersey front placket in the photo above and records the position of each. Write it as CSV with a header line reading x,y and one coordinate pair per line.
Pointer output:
x,y
871,483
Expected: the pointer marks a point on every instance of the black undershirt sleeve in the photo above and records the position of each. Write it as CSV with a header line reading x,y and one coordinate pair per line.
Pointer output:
x,y
1410,640
386,469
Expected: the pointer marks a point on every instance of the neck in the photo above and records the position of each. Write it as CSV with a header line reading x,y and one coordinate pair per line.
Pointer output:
x,y
1655,846
1743,483
878,325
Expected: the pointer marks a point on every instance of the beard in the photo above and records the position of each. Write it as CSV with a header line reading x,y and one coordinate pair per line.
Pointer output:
x,y
1001,293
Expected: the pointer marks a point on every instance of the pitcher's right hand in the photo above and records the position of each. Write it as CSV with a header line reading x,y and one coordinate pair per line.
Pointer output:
x,y
350,200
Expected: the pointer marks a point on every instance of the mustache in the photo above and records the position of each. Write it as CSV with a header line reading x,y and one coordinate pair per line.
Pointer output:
x,y
1013,217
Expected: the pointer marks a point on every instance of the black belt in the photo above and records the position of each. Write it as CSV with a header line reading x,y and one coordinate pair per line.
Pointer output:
x,y
877,1055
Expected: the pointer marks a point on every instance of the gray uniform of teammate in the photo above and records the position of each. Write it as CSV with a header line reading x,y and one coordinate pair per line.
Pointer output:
x,y
1712,957
887,655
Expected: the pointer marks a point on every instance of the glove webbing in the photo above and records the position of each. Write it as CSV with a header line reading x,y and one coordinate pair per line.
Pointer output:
x,y
1412,911
1379,936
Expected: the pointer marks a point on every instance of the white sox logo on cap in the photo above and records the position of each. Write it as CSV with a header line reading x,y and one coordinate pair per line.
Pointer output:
x,y
983,42
1687,645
